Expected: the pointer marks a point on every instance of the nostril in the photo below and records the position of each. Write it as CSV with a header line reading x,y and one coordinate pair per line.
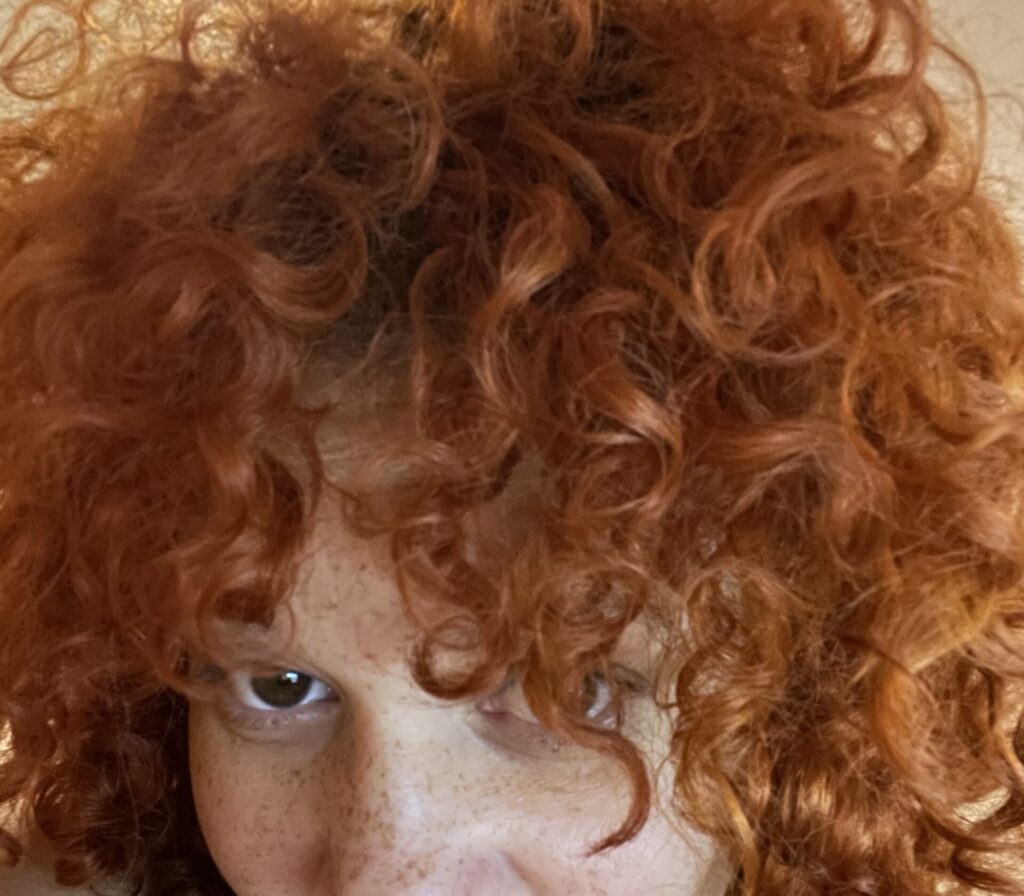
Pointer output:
x,y
458,871
490,872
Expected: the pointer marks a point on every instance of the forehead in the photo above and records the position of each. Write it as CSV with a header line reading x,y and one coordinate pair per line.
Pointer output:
x,y
348,602
347,597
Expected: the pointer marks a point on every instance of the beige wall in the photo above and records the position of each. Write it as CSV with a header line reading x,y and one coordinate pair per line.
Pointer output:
x,y
990,33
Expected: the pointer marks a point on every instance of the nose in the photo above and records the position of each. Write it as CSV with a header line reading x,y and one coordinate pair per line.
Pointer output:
x,y
410,814
462,870
459,871
484,871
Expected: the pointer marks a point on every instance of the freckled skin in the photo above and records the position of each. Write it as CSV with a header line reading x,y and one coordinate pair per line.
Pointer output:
x,y
393,793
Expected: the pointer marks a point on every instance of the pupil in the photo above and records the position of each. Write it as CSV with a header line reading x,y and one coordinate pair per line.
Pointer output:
x,y
283,690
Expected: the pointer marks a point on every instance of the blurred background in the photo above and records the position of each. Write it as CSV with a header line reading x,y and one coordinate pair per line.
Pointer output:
x,y
990,33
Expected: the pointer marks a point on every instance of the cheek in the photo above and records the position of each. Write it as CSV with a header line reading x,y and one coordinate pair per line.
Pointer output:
x,y
551,824
259,815
273,822
657,860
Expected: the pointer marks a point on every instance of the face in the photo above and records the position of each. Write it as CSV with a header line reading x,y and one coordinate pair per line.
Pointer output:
x,y
323,770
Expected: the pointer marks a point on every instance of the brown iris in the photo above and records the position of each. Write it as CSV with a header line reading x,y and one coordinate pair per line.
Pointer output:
x,y
283,690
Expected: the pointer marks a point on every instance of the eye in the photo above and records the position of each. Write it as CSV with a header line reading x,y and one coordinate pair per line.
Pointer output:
x,y
596,697
278,690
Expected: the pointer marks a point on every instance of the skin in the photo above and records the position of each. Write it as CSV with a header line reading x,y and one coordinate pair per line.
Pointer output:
x,y
373,787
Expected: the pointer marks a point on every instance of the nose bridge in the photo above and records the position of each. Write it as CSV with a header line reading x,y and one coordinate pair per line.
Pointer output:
x,y
405,816
399,754
390,818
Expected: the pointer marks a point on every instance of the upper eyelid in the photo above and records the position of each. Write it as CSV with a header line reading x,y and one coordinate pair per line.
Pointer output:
x,y
633,678
270,660
627,674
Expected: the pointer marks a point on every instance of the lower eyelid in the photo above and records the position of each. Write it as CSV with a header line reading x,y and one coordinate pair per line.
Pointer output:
x,y
514,737
240,716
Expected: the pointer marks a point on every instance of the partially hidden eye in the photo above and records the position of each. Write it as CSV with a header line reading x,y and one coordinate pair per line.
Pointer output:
x,y
596,697
280,690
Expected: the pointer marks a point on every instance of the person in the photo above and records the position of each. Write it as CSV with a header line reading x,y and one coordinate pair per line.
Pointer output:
x,y
513,447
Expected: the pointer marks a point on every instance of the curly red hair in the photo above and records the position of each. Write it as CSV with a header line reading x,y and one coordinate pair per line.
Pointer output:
x,y
728,271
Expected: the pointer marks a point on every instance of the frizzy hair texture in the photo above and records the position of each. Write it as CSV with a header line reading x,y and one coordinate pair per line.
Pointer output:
x,y
729,278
